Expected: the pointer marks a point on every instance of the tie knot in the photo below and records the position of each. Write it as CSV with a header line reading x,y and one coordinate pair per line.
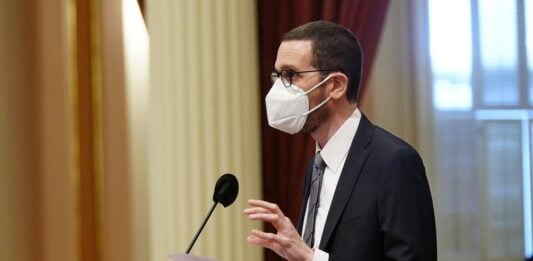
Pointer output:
x,y
319,162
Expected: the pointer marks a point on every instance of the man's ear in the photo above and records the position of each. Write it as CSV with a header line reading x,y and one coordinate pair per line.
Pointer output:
x,y
339,86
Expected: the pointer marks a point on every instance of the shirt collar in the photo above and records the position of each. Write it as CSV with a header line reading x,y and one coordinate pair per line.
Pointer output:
x,y
338,145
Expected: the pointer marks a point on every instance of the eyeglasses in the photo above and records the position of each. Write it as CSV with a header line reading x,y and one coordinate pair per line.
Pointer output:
x,y
286,75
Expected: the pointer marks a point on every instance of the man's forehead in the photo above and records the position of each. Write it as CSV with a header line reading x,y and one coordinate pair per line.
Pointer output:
x,y
294,54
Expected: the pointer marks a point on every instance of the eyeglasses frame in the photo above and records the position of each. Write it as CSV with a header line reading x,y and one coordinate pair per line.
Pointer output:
x,y
274,75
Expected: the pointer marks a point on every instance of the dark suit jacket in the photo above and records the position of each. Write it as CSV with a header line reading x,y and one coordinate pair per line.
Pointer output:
x,y
382,208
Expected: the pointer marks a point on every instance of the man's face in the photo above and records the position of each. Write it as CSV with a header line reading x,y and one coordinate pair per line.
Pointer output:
x,y
296,55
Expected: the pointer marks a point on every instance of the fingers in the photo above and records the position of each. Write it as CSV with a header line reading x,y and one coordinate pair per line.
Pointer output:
x,y
286,242
261,240
266,205
277,221
263,235
268,212
255,210
269,240
268,217
272,218
284,246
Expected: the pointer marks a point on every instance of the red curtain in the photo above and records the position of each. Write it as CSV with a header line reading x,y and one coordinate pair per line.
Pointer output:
x,y
284,156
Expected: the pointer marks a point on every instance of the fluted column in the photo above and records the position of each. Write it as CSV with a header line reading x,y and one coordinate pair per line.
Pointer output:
x,y
204,121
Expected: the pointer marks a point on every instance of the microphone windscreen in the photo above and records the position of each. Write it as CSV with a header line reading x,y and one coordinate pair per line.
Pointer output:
x,y
226,189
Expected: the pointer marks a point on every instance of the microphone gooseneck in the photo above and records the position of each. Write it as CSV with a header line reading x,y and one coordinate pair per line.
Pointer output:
x,y
226,191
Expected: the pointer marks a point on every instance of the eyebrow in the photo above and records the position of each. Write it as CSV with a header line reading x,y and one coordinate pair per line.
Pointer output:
x,y
285,68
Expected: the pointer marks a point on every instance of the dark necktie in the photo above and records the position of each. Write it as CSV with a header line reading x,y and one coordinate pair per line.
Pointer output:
x,y
316,182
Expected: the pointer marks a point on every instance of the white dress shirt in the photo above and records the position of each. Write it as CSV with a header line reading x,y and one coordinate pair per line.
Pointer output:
x,y
334,154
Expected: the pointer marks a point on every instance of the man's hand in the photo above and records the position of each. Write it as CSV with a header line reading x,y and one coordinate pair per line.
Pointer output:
x,y
286,242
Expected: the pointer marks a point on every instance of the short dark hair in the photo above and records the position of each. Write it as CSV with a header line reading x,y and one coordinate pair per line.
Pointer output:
x,y
334,47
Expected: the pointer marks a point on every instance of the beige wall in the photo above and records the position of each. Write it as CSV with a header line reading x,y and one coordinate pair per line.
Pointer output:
x,y
204,121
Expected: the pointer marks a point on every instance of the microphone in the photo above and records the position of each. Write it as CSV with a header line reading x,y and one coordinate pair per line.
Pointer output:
x,y
226,190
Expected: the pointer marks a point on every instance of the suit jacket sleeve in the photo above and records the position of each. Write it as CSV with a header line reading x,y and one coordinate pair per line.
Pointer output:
x,y
405,208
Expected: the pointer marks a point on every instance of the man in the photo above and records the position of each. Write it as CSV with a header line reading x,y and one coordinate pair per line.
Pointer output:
x,y
366,195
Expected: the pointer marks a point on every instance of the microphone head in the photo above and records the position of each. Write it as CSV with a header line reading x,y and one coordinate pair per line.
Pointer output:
x,y
226,189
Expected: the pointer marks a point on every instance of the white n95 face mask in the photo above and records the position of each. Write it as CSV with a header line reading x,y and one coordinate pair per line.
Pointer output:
x,y
287,107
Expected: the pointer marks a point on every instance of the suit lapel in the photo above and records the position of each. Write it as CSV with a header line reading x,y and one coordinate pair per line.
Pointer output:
x,y
352,167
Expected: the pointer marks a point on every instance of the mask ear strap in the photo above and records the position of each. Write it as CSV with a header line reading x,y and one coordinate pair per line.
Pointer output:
x,y
316,107
318,84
